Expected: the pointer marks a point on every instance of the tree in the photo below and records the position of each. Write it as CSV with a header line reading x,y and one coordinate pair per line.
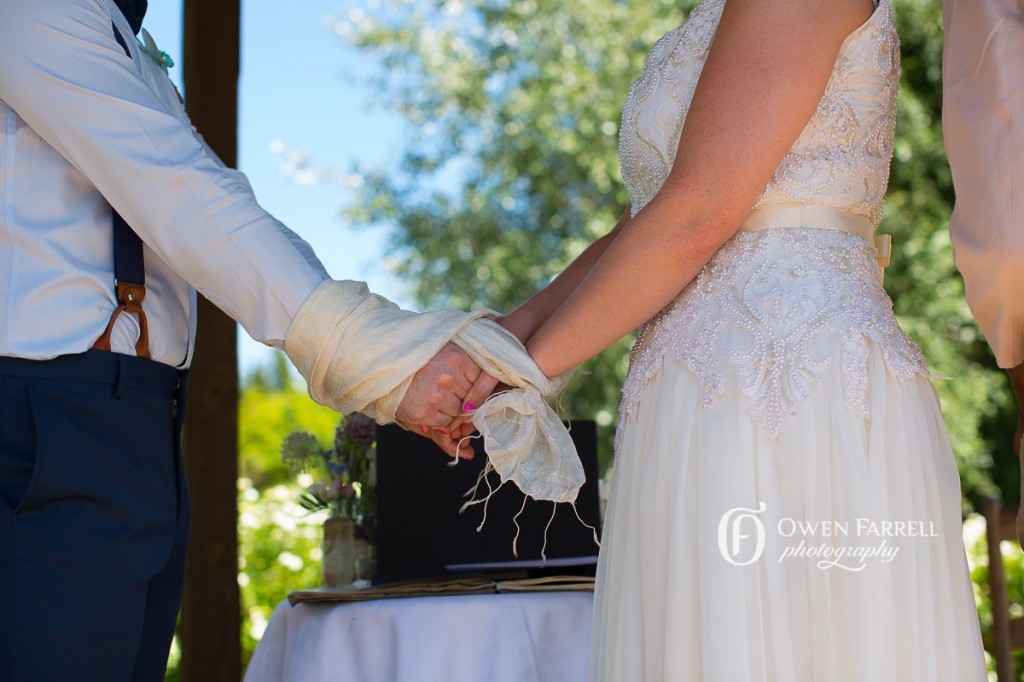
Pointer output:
x,y
511,169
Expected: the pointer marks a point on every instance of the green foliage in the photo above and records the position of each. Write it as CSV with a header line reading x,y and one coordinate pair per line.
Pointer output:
x,y
272,406
511,169
278,540
1013,563
278,552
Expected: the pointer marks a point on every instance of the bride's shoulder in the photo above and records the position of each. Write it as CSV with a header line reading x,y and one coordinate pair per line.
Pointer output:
x,y
693,35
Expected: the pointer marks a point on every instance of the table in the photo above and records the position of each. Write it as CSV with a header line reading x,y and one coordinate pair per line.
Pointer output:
x,y
518,637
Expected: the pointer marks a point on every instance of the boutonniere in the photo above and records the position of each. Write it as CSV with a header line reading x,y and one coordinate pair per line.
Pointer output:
x,y
161,58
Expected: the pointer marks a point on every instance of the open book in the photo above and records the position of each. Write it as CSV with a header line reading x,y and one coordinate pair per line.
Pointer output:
x,y
432,588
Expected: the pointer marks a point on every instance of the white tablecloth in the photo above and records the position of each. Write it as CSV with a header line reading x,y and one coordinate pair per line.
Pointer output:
x,y
529,637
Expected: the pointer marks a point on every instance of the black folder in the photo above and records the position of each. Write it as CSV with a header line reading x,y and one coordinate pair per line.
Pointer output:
x,y
421,533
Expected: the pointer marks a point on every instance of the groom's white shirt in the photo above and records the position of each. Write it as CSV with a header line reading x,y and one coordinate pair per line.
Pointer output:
x,y
81,125
983,126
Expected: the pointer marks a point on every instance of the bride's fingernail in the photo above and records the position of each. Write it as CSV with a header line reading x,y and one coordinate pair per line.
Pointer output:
x,y
423,430
444,431
470,406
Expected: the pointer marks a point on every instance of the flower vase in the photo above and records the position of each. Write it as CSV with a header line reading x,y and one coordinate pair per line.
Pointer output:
x,y
339,552
366,560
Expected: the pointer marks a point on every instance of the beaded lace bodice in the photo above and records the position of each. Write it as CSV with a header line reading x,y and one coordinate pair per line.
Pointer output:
x,y
841,159
775,308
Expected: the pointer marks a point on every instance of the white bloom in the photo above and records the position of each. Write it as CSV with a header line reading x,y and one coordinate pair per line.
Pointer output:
x,y
324,491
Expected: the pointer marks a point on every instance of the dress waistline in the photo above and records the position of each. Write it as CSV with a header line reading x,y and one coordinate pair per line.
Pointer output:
x,y
810,215
822,218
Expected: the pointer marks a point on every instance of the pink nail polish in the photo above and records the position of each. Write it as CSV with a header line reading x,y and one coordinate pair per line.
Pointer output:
x,y
470,406
423,430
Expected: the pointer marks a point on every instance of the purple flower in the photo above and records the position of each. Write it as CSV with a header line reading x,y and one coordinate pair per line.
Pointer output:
x,y
359,429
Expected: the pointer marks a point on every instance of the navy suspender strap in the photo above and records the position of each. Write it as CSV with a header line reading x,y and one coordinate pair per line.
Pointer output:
x,y
129,270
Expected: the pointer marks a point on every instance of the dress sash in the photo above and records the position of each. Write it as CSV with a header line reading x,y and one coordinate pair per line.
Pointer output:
x,y
808,215
822,218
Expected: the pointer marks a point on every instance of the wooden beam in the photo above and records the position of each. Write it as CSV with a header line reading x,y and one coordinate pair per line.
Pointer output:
x,y
1001,651
210,620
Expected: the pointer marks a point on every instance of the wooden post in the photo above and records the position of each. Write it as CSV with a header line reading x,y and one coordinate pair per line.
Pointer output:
x,y
210,619
1002,649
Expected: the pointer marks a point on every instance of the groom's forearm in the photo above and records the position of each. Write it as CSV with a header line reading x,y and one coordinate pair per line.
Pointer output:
x,y
528,317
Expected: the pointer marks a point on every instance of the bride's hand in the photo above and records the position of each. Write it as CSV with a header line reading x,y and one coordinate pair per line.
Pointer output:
x,y
445,439
454,439
462,426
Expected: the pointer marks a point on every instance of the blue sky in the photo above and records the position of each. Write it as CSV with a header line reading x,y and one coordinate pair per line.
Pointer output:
x,y
299,91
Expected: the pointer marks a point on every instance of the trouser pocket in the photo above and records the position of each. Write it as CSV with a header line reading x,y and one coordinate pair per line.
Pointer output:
x,y
94,545
19,454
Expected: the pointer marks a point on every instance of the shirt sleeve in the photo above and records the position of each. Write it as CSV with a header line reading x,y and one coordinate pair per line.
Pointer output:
x,y
63,72
983,127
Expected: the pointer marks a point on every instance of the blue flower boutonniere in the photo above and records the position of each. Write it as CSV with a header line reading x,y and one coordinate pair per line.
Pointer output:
x,y
161,58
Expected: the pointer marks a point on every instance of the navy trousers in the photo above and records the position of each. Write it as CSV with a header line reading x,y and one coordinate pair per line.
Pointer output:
x,y
94,517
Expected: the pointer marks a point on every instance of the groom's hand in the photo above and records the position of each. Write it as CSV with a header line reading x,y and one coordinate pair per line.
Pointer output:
x,y
438,391
450,386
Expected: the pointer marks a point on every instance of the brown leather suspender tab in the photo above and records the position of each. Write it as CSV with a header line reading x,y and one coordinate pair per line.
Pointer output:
x,y
130,297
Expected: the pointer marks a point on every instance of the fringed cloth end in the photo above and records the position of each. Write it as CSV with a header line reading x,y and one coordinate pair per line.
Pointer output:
x,y
483,478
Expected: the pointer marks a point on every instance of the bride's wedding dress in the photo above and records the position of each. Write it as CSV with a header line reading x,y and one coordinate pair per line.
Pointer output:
x,y
785,503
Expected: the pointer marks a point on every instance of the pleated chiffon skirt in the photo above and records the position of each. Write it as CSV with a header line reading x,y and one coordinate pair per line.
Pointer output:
x,y
832,552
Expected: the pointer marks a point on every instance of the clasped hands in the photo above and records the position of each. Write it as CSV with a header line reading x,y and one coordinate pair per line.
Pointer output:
x,y
442,397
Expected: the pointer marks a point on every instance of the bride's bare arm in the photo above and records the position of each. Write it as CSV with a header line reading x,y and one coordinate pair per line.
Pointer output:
x,y
765,74
525,319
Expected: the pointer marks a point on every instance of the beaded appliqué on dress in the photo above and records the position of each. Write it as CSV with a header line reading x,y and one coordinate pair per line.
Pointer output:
x,y
658,101
775,308
780,306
